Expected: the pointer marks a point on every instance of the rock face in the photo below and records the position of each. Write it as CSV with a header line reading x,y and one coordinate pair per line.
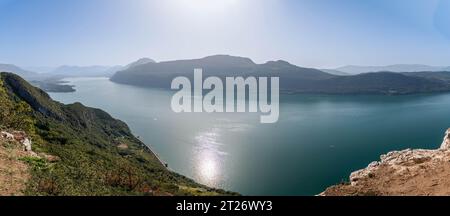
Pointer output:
x,y
407,172
446,143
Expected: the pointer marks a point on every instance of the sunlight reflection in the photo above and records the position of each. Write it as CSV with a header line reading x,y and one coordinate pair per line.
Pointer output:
x,y
209,157
208,170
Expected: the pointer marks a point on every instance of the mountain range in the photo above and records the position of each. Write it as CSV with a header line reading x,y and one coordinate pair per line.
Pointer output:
x,y
95,70
161,74
49,78
64,71
391,79
293,79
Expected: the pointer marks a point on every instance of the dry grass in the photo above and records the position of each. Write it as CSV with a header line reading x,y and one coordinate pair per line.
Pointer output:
x,y
14,173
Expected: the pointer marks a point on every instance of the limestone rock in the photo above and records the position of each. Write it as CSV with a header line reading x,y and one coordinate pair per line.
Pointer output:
x,y
406,172
446,143
27,144
7,136
20,137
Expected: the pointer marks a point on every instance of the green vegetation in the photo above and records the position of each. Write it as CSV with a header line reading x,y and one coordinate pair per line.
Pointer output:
x,y
86,140
35,162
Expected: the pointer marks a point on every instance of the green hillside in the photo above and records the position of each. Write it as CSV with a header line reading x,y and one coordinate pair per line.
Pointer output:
x,y
98,155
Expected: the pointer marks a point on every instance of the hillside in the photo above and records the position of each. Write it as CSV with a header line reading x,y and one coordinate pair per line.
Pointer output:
x,y
408,172
373,83
293,79
439,75
97,154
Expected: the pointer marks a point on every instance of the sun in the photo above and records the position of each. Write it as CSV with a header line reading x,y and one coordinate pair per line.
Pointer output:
x,y
208,5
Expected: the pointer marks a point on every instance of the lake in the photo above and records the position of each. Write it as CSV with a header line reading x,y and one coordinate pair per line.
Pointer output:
x,y
317,142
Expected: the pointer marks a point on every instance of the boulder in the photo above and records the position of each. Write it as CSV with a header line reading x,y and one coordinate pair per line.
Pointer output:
x,y
27,144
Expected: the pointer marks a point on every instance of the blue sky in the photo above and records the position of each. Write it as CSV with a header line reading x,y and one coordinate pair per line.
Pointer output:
x,y
313,33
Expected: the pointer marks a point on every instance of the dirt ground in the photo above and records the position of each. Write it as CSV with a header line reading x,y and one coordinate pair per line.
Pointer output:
x,y
13,173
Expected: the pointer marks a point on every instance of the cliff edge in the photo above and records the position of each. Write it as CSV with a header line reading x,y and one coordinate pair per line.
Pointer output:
x,y
409,172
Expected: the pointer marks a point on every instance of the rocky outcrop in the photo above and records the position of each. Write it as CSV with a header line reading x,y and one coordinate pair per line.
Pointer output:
x,y
407,172
446,143
7,136
18,136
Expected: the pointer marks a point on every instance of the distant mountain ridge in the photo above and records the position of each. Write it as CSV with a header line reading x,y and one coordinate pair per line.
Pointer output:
x,y
161,74
93,70
393,79
17,70
335,72
356,69
49,78
293,79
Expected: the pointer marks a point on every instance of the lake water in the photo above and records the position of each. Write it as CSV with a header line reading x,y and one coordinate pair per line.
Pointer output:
x,y
317,142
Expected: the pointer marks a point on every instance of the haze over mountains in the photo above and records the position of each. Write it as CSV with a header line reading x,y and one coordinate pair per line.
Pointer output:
x,y
50,78
17,70
85,71
43,72
96,70
391,79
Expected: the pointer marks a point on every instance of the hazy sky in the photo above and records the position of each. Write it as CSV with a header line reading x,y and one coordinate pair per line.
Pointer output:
x,y
315,33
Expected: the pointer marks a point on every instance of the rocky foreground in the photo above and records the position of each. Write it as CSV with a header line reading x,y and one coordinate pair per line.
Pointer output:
x,y
15,156
408,172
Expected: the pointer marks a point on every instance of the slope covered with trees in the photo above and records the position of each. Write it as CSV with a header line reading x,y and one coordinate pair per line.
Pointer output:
x,y
97,154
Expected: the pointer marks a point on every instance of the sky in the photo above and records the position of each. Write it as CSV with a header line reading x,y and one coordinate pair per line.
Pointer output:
x,y
310,33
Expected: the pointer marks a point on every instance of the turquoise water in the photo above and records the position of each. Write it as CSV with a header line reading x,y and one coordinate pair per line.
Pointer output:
x,y
317,141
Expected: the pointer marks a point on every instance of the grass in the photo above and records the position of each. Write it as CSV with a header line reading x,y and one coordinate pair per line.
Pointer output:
x,y
35,162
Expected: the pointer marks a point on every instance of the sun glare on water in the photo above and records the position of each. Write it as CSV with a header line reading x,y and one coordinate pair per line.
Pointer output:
x,y
209,157
208,170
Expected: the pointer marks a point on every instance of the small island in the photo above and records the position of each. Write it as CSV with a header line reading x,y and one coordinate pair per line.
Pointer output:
x,y
54,86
